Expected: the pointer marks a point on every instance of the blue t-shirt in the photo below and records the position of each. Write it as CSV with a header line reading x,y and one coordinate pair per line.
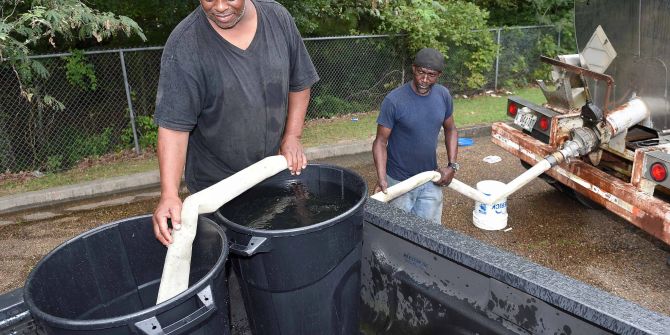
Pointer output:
x,y
415,122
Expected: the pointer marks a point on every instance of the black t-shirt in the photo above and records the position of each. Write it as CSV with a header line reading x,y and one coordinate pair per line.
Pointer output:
x,y
232,101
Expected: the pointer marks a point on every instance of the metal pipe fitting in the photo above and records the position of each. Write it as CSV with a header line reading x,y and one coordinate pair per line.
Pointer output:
x,y
626,116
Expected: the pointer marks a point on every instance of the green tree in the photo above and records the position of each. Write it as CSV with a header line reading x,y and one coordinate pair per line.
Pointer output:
x,y
23,27
332,17
26,26
156,17
506,13
445,25
559,13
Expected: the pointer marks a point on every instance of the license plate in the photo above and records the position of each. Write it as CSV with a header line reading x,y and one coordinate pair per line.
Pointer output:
x,y
525,120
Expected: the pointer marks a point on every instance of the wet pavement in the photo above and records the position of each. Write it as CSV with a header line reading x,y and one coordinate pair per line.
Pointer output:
x,y
547,227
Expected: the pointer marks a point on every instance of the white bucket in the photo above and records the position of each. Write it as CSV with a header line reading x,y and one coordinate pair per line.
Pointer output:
x,y
490,217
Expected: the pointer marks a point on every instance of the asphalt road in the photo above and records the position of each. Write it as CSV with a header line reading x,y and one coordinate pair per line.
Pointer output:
x,y
547,227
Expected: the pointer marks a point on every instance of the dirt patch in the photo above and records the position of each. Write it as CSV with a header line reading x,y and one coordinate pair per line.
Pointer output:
x,y
24,244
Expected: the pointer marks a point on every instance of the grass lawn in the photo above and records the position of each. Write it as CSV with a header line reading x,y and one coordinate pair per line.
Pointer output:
x,y
96,171
467,112
486,110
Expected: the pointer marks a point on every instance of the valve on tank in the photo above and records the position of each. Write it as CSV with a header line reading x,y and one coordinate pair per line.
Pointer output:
x,y
585,140
591,114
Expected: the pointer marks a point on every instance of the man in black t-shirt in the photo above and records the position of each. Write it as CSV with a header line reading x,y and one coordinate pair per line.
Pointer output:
x,y
234,88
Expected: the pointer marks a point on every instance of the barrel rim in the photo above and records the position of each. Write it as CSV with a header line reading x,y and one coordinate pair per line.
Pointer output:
x,y
307,229
93,324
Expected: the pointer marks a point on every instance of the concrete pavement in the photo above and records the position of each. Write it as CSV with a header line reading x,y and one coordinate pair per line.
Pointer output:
x,y
146,180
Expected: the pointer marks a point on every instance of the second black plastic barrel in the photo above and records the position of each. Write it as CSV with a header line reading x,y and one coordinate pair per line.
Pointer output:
x,y
105,281
304,280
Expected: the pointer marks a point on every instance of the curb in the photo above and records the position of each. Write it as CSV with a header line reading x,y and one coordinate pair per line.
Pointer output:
x,y
475,131
144,180
62,194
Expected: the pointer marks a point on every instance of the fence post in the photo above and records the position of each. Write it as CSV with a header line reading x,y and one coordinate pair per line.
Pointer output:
x,y
130,102
495,85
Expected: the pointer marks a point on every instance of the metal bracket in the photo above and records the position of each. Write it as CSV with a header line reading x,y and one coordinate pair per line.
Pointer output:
x,y
585,73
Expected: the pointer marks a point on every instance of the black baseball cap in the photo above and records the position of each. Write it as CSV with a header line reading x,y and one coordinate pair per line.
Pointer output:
x,y
429,58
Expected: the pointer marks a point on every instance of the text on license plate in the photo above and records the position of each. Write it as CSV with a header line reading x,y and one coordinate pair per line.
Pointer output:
x,y
525,120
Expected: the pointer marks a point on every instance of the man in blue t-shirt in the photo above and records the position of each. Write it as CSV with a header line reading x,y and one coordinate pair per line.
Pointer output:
x,y
407,129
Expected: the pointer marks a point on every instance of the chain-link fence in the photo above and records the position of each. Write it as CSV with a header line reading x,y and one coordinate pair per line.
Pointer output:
x,y
356,73
93,123
517,62
518,59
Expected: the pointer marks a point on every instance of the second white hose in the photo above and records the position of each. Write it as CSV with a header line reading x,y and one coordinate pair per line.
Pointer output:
x,y
462,188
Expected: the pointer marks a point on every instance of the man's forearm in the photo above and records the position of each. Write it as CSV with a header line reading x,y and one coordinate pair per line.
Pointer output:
x,y
379,156
451,144
171,159
297,108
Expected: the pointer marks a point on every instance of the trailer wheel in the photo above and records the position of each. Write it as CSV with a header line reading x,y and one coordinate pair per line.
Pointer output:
x,y
583,200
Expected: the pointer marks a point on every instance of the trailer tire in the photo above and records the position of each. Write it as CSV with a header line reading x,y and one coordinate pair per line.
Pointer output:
x,y
585,201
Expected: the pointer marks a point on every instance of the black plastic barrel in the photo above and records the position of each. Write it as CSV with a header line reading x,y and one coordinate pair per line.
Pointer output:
x,y
105,281
304,280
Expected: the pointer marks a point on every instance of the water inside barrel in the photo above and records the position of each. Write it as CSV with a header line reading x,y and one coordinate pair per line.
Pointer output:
x,y
288,205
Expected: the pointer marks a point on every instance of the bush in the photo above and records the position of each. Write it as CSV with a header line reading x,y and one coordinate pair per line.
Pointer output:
x,y
327,106
79,72
94,145
147,133
76,147
54,163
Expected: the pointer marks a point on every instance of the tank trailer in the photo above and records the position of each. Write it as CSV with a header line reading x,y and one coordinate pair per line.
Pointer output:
x,y
606,121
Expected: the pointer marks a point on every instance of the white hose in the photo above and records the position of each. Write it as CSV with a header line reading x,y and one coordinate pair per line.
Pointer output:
x,y
521,180
406,186
462,188
178,258
470,192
